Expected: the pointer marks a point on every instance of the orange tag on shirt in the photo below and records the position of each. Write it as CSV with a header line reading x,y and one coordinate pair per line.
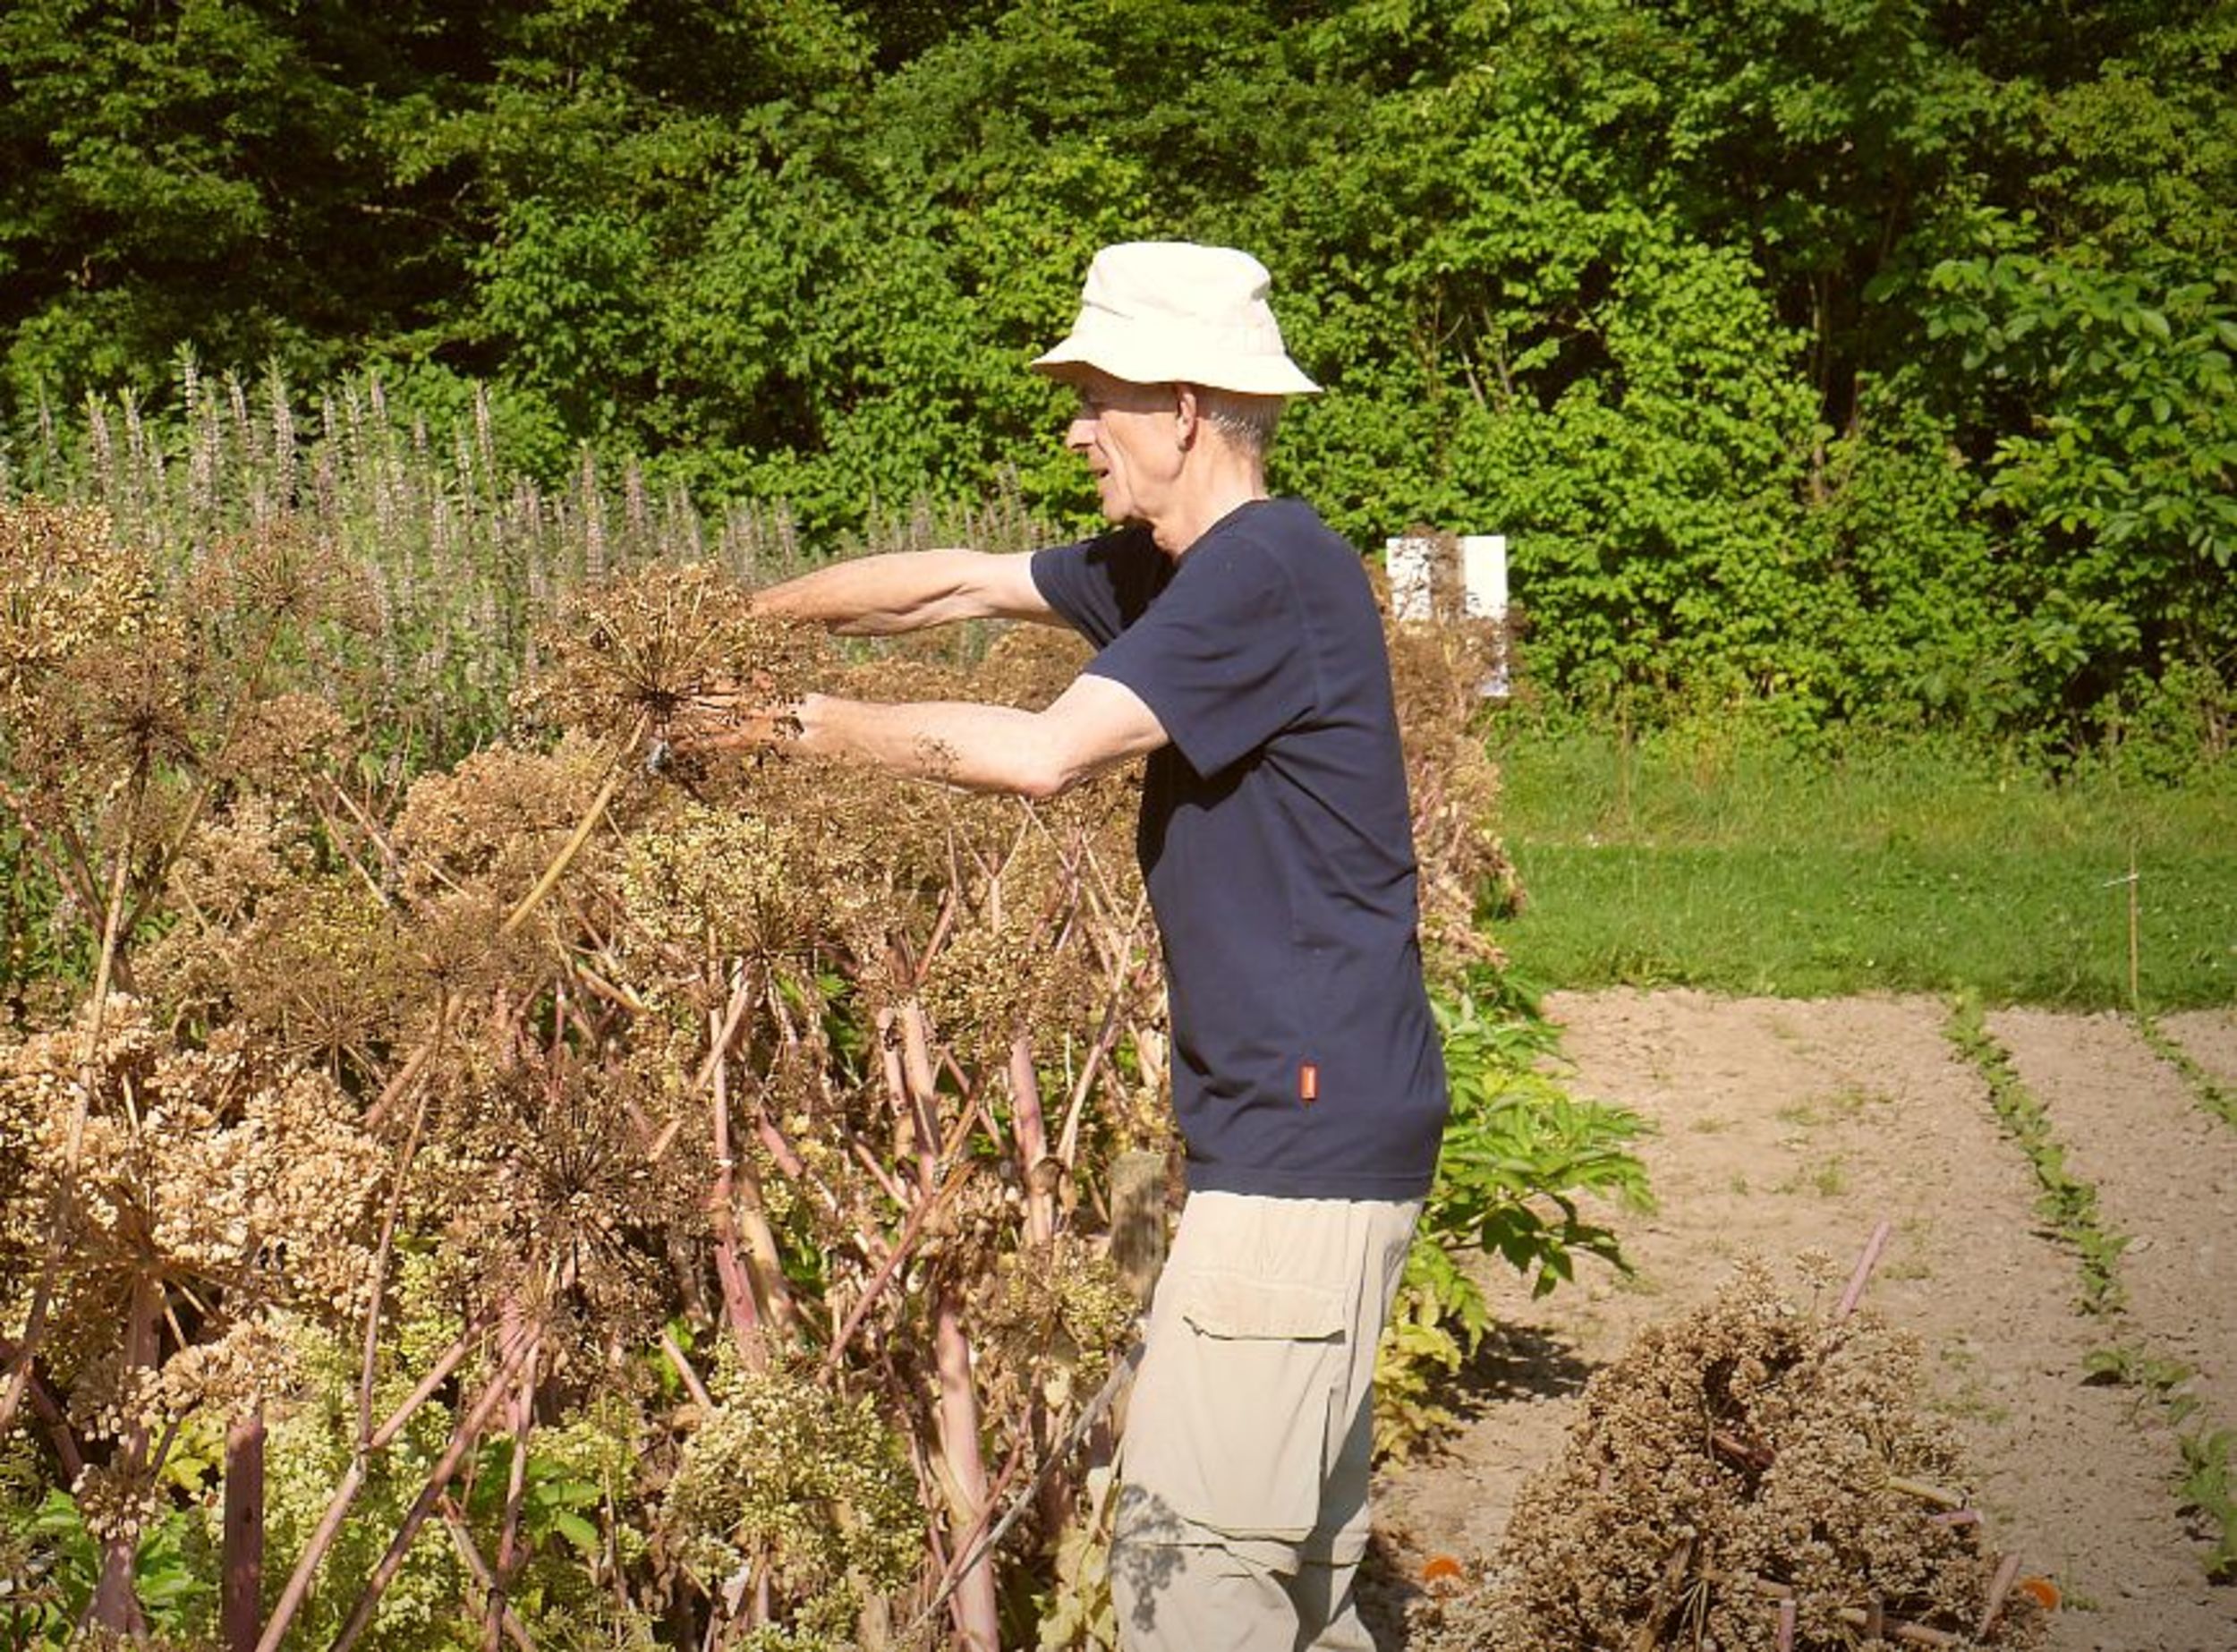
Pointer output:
x,y
1309,1082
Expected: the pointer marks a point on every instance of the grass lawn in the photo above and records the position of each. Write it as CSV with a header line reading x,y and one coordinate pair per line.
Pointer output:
x,y
1749,870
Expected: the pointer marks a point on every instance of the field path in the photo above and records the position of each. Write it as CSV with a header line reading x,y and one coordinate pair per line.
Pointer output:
x,y
1786,1126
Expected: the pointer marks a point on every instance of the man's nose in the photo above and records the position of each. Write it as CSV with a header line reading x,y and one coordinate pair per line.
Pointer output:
x,y
1080,434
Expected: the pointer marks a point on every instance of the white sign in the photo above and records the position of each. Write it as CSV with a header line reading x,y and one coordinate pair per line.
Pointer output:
x,y
1410,563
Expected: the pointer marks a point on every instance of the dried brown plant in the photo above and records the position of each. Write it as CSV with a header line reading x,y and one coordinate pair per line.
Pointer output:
x,y
533,1072
628,654
1751,1453
1440,666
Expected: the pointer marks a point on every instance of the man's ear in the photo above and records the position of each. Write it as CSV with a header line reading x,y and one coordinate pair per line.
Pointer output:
x,y
1187,415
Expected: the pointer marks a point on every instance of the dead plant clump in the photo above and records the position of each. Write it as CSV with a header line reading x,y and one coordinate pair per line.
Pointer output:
x,y
524,1097
1756,1476
1439,666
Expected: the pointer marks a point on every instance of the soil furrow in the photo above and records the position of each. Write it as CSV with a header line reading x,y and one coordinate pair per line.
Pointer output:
x,y
2210,1037
2165,1173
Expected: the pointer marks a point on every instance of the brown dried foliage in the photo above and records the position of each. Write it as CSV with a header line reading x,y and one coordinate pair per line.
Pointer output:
x,y
1749,1451
752,1060
1439,667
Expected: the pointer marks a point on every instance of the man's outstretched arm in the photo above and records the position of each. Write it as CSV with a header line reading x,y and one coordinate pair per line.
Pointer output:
x,y
1095,724
908,591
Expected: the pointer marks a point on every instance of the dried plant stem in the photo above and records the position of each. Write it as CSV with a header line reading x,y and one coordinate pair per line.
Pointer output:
x,y
1862,1276
414,1066
690,1377
344,1495
1999,1588
1034,1163
470,1557
970,1545
1896,1628
977,1619
242,1569
386,1246
462,1441
48,1409
737,1294
446,1363
903,1246
510,1553
579,836
116,1604
367,824
76,877
1940,1496
1668,1593
934,1196
919,1092
765,1263
88,1073
1874,1620
1123,977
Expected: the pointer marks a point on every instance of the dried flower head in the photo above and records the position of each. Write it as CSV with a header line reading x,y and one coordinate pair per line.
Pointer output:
x,y
541,1180
1048,1320
64,587
225,1175
627,655
805,1487
284,572
321,969
720,884
496,820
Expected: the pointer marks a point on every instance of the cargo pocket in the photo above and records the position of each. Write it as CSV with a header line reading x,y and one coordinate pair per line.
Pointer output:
x,y
1236,1435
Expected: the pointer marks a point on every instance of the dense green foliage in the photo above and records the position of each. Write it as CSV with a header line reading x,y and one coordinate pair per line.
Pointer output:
x,y
1861,361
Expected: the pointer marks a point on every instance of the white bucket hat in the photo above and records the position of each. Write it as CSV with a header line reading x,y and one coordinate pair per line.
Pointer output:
x,y
1172,312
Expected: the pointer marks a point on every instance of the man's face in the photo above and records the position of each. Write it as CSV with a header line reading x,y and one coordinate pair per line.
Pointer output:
x,y
1129,435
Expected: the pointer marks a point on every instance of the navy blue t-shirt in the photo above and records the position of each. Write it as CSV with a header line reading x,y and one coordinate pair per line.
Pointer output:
x,y
1278,847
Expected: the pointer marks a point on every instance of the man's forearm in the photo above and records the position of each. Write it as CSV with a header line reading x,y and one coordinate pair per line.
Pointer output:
x,y
878,596
981,748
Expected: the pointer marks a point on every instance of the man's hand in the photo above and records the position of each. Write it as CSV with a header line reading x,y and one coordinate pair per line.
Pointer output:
x,y
725,719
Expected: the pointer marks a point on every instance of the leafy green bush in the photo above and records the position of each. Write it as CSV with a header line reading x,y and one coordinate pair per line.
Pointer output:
x,y
1519,1155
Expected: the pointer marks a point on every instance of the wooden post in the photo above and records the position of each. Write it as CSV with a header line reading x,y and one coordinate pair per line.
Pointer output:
x,y
1137,1220
2135,938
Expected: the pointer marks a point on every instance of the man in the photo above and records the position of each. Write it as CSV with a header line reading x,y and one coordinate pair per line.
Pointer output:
x,y
1242,654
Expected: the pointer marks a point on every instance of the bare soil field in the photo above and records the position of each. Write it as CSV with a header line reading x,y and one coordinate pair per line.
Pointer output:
x,y
1784,1128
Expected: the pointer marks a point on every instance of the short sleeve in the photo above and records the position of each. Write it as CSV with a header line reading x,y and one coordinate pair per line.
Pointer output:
x,y
1221,656
1100,586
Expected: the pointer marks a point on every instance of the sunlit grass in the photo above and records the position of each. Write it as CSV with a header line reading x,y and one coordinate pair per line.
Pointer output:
x,y
1751,870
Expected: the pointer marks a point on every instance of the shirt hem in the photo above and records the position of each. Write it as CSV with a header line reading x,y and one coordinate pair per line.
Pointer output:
x,y
1274,1184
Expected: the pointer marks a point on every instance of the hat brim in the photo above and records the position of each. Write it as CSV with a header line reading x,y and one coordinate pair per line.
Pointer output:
x,y
1244,374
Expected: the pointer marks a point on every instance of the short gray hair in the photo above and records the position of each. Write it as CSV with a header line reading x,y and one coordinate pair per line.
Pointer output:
x,y
1247,422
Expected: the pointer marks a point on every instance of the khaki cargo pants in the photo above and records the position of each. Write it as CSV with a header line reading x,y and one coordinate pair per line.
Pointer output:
x,y
1242,1511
